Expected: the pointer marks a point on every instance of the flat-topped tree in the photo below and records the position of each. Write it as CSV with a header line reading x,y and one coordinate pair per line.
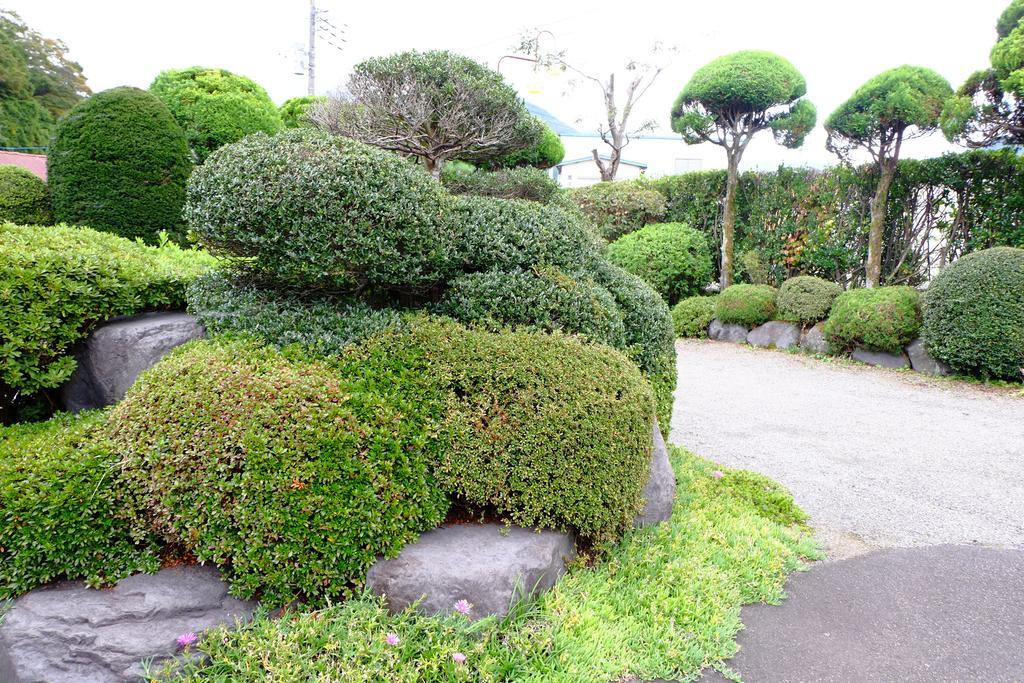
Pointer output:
x,y
896,105
729,101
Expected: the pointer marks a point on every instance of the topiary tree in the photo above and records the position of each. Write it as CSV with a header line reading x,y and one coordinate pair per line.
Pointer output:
x,y
974,314
433,105
215,107
806,299
729,101
24,198
671,257
119,163
295,112
894,106
546,152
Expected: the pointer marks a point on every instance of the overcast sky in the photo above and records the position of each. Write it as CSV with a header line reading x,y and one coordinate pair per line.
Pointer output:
x,y
836,45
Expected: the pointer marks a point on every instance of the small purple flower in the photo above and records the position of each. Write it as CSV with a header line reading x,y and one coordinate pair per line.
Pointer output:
x,y
459,658
717,474
463,606
391,639
186,639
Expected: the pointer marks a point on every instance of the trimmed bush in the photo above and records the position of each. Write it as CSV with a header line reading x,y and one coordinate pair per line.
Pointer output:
x,y
692,316
293,112
345,216
879,319
544,299
650,339
806,299
512,183
974,314
59,282
119,163
548,151
215,107
748,305
24,197
619,208
59,510
673,258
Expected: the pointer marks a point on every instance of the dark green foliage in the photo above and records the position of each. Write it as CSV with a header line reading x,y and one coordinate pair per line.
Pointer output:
x,y
345,215
619,208
59,282
293,112
650,340
548,151
880,319
748,305
304,474
24,198
673,258
974,314
692,316
544,299
59,508
806,299
215,107
511,183
119,163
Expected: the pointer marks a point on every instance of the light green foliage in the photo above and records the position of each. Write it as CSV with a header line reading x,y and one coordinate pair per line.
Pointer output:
x,y
974,314
24,197
806,299
509,183
748,305
293,111
546,152
692,316
215,107
673,258
618,208
59,282
879,319
119,163
1010,18
59,508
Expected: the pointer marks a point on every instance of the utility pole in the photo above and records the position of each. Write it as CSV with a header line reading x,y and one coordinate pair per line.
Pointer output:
x,y
311,53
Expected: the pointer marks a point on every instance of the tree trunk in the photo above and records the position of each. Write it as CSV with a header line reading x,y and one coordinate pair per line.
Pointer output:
x,y
729,218
873,276
433,167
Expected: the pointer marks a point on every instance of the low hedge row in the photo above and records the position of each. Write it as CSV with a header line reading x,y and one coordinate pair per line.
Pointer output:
x,y
619,208
880,319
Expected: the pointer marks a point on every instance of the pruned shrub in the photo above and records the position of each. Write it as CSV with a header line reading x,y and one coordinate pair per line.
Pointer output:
x,y
673,258
24,197
879,319
619,208
510,183
648,322
59,508
119,163
345,216
806,299
295,111
693,315
748,305
548,151
974,314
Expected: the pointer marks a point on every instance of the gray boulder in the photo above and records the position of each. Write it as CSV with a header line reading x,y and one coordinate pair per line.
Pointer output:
x,y
922,361
880,358
775,334
67,633
728,332
660,491
813,339
116,352
488,565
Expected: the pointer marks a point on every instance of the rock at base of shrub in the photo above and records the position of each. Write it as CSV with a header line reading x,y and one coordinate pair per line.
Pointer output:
x,y
488,565
117,351
660,491
728,332
880,358
67,633
775,334
813,339
923,362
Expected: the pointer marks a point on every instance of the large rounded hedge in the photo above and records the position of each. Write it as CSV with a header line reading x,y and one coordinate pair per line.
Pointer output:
x,y
673,258
119,163
649,337
692,316
215,107
744,304
619,208
974,314
343,215
879,319
806,299
24,197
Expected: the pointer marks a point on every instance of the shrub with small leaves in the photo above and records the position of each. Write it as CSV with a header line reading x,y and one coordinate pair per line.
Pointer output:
x,y
692,316
24,197
806,299
673,258
879,319
510,183
294,111
619,208
748,305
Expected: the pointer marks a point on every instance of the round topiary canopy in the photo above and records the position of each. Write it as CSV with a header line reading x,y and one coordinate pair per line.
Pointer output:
x,y
745,81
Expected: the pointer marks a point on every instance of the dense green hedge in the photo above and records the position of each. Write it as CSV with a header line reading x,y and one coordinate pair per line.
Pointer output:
x,y
880,319
511,183
619,208
59,508
24,197
974,314
692,316
748,305
673,258
806,299
119,163
58,282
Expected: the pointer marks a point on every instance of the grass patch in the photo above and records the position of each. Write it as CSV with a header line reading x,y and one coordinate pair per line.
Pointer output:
x,y
663,603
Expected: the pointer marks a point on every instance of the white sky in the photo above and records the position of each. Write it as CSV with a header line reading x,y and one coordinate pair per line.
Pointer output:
x,y
836,44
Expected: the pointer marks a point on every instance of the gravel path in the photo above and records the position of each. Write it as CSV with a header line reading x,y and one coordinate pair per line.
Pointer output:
x,y
878,458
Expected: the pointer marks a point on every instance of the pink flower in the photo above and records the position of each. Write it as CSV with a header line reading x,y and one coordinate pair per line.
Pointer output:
x,y
459,658
717,474
463,606
186,639
391,639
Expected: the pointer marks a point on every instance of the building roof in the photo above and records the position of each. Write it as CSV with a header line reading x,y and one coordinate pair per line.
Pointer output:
x,y
33,162
556,124
604,157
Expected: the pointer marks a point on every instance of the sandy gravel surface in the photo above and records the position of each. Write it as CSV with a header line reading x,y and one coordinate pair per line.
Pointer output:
x,y
878,458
